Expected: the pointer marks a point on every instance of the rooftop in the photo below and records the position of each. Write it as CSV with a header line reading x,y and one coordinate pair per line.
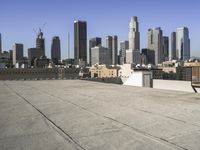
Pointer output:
x,y
84,115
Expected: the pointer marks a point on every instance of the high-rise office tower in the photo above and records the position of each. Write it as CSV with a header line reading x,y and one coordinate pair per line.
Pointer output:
x,y
133,56
39,51
109,42
173,46
96,41
0,44
124,45
80,41
11,57
114,50
134,34
112,44
40,43
165,48
133,53
55,50
18,51
100,55
182,43
149,56
154,40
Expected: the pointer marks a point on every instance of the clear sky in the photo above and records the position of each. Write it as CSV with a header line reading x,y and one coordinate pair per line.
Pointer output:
x,y
104,17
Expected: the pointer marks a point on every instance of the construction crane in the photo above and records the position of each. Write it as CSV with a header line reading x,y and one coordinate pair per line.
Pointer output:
x,y
40,33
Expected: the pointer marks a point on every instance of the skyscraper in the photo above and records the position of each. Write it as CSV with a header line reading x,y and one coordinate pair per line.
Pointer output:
x,y
11,56
40,43
109,42
96,41
124,45
165,48
149,56
154,40
55,50
112,44
173,46
114,50
18,51
100,55
80,41
39,51
134,34
0,44
182,43
133,53
133,56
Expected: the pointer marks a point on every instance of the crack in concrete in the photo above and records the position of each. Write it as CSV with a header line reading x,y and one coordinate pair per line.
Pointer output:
x,y
71,140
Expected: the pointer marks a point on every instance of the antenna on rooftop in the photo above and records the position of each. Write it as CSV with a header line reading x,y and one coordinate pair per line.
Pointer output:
x,y
68,45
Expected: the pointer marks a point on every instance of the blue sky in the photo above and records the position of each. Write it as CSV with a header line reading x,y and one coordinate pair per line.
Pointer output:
x,y
104,17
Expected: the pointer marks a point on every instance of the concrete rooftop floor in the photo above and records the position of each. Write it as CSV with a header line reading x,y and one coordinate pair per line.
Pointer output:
x,y
84,115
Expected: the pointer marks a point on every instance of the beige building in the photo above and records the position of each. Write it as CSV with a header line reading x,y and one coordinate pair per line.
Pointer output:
x,y
101,71
170,69
191,64
195,73
170,66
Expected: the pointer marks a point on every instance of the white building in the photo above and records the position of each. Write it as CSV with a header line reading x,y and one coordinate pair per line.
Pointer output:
x,y
140,79
182,43
125,71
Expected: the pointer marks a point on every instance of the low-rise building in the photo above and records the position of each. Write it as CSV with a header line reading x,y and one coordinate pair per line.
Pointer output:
x,y
42,62
101,71
157,73
196,75
34,53
191,64
171,66
140,78
6,60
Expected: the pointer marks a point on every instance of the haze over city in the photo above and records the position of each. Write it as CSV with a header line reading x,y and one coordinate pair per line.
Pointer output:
x,y
105,17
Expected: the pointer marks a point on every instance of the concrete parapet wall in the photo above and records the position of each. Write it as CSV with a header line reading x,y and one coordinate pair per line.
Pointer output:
x,y
28,74
40,73
173,85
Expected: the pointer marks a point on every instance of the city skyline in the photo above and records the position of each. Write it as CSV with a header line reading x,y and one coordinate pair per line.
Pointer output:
x,y
115,23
